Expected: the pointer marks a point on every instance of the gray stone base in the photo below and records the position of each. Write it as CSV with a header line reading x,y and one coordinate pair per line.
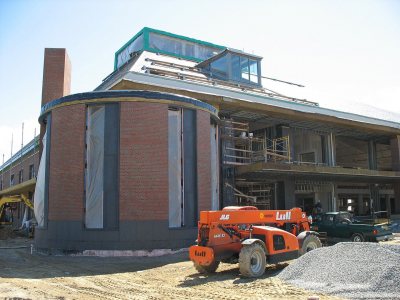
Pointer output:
x,y
71,236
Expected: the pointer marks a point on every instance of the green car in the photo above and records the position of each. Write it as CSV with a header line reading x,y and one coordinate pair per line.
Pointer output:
x,y
340,226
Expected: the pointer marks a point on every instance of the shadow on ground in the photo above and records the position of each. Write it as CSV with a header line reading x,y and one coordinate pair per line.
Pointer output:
x,y
18,262
233,273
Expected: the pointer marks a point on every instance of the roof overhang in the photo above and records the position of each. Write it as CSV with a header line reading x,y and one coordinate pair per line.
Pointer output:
x,y
224,98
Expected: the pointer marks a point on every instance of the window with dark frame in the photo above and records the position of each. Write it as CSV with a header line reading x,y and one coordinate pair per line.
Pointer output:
x,y
308,157
31,171
21,176
279,242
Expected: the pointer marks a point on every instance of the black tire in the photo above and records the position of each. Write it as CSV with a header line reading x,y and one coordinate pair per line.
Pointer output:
x,y
207,269
252,260
310,242
357,238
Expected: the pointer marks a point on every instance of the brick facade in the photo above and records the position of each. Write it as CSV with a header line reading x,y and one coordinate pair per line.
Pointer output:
x,y
143,161
56,74
31,158
67,150
203,160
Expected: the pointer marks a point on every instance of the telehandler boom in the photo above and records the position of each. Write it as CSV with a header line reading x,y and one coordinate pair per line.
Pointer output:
x,y
251,237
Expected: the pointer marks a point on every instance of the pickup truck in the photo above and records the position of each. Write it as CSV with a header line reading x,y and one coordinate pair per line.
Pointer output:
x,y
340,226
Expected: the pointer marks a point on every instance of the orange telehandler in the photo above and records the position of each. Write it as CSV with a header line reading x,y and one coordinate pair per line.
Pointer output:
x,y
251,237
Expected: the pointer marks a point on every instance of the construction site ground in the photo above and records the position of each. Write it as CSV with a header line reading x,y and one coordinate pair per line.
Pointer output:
x,y
36,276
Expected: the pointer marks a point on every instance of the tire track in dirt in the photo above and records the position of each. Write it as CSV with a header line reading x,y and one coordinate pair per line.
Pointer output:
x,y
158,278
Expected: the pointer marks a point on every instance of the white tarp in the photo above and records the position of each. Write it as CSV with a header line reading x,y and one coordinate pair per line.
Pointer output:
x,y
214,168
95,164
40,184
175,167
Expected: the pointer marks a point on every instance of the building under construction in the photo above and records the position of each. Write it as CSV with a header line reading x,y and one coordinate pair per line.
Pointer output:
x,y
182,125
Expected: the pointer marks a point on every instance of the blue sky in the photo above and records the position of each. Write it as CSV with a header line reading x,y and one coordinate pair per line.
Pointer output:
x,y
343,51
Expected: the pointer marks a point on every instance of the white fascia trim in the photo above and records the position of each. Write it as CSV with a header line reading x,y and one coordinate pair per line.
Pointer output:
x,y
218,91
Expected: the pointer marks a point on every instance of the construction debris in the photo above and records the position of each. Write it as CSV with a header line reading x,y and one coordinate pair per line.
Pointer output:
x,y
6,232
349,270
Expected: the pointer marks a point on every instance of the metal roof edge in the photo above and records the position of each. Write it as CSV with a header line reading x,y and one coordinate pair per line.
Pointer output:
x,y
28,147
218,91
126,95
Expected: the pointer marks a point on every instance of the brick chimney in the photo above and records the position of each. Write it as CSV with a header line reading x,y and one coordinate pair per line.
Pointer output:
x,y
56,79
56,74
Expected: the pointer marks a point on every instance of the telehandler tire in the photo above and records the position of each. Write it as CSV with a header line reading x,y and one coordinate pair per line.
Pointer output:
x,y
311,242
207,269
252,260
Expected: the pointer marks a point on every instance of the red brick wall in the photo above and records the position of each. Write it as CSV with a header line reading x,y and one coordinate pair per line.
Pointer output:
x,y
23,164
67,150
143,161
203,160
56,74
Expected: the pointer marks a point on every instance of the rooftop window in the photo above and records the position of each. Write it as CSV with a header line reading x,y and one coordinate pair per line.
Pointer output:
x,y
234,65
157,41
133,46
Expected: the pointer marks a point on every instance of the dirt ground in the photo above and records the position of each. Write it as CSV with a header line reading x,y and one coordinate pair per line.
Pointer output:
x,y
26,276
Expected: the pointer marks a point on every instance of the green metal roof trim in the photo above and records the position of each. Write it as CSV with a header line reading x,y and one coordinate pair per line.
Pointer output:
x,y
146,33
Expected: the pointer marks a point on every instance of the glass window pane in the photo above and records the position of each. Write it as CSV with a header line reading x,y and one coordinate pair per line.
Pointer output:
x,y
124,56
236,72
180,47
189,49
163,43
204,52
136,45
253,67
244,66
253,71
220,67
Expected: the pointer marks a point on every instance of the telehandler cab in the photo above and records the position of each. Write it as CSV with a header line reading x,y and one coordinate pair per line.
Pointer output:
x,y
251,237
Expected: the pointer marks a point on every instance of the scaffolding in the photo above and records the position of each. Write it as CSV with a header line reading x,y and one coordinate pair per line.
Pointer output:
x,y
259,194
275,150
242,147
237,143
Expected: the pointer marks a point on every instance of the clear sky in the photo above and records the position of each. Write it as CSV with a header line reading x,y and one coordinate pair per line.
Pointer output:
x,y
344,52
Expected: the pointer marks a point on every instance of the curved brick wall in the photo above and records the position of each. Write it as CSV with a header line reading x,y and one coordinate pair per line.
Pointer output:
x,y
142,172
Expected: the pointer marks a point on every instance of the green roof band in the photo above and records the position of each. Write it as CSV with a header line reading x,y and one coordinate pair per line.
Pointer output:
x,y
145,33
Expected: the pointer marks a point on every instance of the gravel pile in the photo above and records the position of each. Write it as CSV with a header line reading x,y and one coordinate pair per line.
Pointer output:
x,y
349,270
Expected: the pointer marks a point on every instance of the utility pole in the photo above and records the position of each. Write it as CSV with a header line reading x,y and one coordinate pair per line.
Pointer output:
x,y
2,174
34,151
20,172
12,141
22,138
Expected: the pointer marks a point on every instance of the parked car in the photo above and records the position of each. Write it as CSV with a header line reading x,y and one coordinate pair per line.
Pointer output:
x,y
341,226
